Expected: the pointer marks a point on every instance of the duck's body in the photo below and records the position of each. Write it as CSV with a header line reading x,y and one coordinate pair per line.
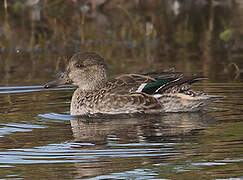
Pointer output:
x,y
129,93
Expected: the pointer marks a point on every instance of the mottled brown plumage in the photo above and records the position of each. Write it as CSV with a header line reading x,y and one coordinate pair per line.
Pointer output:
x,y
129,93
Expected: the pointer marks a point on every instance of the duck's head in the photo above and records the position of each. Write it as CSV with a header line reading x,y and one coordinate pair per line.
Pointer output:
x,y
87,70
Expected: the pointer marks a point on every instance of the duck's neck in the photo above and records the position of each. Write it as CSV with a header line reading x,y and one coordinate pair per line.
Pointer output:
x,y
94,85
92,80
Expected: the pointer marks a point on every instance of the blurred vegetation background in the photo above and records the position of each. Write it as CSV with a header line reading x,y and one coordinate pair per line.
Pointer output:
x,y
194,36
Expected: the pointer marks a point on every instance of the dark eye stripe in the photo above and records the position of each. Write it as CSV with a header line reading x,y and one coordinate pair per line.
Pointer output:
x,y
79,65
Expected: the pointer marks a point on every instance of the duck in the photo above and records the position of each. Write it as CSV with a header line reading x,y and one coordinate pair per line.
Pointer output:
x,y
155,92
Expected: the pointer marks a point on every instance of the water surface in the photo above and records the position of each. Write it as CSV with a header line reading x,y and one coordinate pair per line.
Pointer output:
x,y
38,137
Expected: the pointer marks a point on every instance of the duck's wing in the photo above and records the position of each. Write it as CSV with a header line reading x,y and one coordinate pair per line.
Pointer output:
x,y
132,83
171,84
140,93
128,83
158,83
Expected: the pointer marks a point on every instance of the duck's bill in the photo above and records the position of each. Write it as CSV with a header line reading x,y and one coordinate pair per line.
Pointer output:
x,y
55,83
62,80
58,82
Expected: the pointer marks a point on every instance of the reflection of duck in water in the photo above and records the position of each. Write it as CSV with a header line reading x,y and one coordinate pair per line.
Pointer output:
x,y
129,93
127,144
170,126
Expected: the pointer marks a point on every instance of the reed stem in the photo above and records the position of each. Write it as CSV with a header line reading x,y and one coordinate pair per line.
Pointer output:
x,y
5,4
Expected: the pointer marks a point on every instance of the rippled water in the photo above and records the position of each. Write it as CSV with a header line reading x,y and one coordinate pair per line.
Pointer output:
x,y
50,143
38,137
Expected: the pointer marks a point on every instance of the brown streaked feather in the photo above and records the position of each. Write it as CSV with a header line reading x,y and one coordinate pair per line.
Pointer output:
x,y
137,78
135,102
127,83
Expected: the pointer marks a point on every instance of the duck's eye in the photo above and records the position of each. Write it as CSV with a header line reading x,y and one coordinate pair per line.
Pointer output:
x,y
63,75
79,65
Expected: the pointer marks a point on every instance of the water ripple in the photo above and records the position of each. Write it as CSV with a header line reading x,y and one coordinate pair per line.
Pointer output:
x,y
55,116
66,152
17,127
28,89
